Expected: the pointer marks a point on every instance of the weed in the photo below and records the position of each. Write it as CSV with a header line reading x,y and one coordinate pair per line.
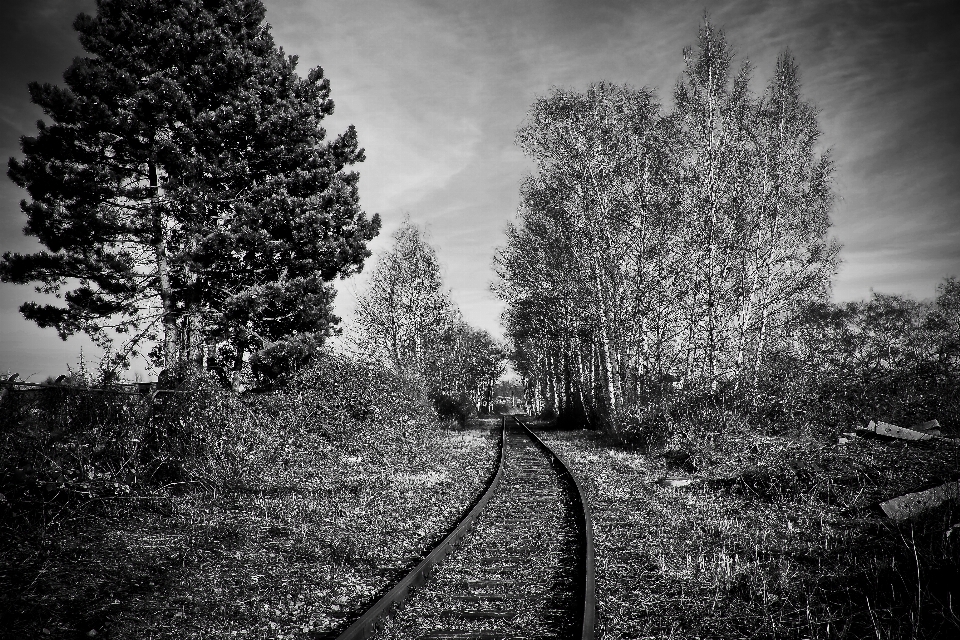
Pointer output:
x,y
208,513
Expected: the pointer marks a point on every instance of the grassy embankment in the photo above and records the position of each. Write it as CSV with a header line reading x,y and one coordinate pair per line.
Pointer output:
x,y
215,516
279,516
779,537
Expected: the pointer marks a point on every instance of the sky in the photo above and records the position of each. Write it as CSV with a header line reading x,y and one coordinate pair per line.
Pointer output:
x,y
438,88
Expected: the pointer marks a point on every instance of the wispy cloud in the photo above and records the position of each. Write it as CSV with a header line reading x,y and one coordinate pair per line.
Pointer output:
x,y
437,89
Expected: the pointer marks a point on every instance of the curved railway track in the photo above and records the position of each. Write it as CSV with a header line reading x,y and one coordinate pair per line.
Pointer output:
x,y
519,564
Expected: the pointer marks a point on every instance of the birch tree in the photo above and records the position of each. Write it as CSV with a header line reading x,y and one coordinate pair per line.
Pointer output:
x,y
653,246
406,310
587,154
407,319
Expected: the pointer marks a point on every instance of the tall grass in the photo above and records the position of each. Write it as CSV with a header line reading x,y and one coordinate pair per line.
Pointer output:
x,y
79,437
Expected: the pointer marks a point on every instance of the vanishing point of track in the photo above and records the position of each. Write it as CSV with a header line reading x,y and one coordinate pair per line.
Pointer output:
x,y
518,564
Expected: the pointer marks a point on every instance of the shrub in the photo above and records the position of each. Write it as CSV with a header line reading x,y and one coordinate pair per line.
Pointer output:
x,y
211,435
277,361
549,412
888,358
457,408
62,444
333,405
642,426
207,434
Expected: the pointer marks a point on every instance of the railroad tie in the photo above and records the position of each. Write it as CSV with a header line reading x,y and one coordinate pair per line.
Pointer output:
x,y
479,597
506,559
524,569
465,634
480,614
487,583
399,564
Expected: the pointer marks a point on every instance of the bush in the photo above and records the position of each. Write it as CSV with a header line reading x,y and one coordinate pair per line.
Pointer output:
x,y
549,412
642,426
888,358
278,361
335,405
62,444
205,433
211,435
452,408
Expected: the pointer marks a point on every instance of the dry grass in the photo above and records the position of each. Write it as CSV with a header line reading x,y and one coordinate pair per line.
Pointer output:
x,y
199,563
779,539
293,513
283,517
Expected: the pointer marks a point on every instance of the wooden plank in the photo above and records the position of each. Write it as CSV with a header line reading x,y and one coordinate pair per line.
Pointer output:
x,y
486,584
480,614
506,559
478,597
676,481
465,634
618,523
913,504
927,426
893,431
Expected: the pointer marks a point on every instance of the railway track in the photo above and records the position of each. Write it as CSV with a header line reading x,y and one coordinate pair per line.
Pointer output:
x,y
518,565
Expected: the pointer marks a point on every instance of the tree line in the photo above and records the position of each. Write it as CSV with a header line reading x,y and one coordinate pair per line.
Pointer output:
x,y
407,320
187,198
658,249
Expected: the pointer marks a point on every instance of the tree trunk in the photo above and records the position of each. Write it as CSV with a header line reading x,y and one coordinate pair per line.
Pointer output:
x,y
605,340
171,351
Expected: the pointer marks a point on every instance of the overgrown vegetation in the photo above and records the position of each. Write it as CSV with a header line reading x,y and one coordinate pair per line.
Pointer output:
x,y
671,272
407,320
778,539
207,511
668,284
890,358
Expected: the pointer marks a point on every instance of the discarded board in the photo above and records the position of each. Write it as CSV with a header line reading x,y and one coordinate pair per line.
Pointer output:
x,y
893,431
915,503
931,426
672,481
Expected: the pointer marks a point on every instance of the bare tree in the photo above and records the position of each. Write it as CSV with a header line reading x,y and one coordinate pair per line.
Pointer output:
x,y
406,310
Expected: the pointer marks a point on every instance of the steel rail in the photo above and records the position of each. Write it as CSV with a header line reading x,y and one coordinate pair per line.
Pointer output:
x,y
366,625
588,568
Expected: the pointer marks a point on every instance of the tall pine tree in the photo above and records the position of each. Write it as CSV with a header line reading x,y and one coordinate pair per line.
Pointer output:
x,y
186,191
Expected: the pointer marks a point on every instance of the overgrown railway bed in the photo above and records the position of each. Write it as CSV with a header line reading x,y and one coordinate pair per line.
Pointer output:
x,y
518,565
